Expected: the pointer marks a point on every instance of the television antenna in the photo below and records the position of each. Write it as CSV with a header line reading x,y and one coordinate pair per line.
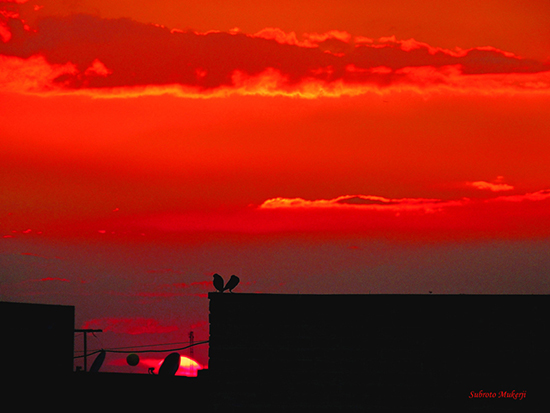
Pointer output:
x,y
86,331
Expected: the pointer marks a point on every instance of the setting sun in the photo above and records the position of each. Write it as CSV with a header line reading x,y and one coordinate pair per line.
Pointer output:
x,y
188,367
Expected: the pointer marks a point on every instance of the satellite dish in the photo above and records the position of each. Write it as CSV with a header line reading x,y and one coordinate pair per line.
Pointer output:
x,y
96,365
170,365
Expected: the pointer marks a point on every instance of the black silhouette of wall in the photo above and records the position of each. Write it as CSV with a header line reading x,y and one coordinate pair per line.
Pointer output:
x,y
377,350
37,340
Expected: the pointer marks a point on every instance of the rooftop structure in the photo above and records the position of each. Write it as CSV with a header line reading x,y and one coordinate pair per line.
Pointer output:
x,y
377,350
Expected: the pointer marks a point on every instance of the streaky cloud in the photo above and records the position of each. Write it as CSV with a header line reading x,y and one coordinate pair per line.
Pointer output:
x,y
121,58
517,216
541,195
377,203
494,187
362,202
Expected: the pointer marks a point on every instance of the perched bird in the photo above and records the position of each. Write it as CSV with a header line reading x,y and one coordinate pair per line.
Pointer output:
x,y
218,283
232,283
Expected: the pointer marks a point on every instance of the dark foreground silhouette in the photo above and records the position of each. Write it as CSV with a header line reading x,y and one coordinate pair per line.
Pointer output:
x,y
272,352
219,283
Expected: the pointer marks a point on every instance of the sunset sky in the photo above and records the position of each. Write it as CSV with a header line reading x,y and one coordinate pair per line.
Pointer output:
x,y
306,146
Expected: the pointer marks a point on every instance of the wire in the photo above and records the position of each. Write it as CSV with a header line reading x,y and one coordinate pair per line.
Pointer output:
x,y
140,351
133,347
145,345
159,351
151,345
97,338
87,355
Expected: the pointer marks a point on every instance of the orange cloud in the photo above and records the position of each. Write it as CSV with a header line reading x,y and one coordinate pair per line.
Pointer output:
x,y
31,75
98,69
9,12
517,216
363,202
377,203
495,187
542,195
121,57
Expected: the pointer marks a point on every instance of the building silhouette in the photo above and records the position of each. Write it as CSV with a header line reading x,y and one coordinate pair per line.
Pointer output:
x,y
380,351
37,339
269,352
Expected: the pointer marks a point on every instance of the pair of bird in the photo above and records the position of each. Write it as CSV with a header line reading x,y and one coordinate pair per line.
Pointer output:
x,y
219,283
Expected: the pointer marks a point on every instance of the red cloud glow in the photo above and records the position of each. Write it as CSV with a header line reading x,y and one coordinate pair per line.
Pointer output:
x,y
121,57
503,216
512,216
197,288
137,325
188,367
54,279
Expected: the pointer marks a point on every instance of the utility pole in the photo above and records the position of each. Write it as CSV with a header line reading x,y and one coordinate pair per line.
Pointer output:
x,y
191,342
86,331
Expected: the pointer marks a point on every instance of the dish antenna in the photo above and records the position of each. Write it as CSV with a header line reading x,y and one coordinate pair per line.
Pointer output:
x,y
170,365
96,365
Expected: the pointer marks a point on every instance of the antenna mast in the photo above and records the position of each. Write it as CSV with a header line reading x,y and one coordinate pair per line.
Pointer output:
x,y
191,342
86,331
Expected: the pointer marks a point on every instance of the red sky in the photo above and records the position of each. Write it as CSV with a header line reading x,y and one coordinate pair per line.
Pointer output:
x,y
312,147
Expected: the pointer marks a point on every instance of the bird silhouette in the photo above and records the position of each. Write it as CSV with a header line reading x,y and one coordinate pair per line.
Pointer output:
x,y
218,283
232,283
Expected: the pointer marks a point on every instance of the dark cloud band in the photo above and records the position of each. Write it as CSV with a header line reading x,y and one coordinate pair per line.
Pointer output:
x,y
121,53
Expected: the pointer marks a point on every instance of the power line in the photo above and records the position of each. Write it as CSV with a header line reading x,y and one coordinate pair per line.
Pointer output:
x,y
149,345
86,331
142,351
